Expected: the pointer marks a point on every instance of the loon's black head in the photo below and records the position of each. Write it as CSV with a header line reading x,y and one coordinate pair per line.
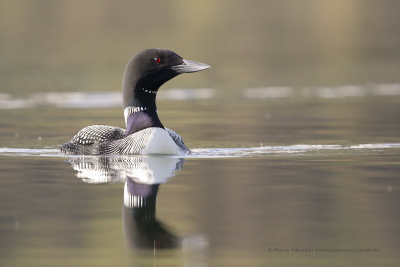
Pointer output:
x,y
144,74
148,70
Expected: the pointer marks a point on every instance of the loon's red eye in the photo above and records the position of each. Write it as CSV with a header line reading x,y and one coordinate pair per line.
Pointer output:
x,y
157,60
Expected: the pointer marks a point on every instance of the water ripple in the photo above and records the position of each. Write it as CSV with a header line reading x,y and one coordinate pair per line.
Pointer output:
x,y
300,149
94,99
114,99
284,150
343,91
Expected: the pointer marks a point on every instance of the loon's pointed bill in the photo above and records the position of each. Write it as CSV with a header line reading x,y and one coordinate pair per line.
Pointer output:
x,y
189,66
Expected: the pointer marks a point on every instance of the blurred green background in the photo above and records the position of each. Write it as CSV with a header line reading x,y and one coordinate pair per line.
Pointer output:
x,y
84,45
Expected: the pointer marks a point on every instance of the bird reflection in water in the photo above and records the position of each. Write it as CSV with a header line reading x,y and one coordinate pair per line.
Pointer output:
x,y
142,177
141,227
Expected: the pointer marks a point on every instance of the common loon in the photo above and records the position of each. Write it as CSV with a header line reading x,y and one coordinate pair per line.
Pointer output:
x,y
144,134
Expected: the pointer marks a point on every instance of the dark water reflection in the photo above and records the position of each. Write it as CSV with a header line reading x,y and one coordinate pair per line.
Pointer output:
x,y
142,177
141,227
220,211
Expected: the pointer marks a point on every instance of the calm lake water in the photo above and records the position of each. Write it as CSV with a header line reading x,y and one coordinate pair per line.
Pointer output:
x,y
294,131
322,179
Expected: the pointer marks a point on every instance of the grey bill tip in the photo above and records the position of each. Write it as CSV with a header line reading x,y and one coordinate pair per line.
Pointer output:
x,y
190,66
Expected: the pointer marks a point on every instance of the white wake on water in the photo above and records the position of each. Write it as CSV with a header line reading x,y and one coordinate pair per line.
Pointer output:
x,y
282,150
229,152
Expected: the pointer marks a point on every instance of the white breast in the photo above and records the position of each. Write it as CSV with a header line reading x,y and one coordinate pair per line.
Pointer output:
x,y
147,141
159,142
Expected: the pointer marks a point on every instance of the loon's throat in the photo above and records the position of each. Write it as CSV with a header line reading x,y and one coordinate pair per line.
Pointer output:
x,y
131,110
139,118
141,112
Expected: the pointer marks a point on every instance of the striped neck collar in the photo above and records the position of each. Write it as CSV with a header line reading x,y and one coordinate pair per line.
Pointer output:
x,y
131,110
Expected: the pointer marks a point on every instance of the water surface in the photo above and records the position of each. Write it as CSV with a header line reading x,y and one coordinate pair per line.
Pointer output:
x,y
288,180
77,210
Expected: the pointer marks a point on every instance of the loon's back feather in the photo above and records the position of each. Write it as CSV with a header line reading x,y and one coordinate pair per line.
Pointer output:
x,y
109,140
178,140
96,134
